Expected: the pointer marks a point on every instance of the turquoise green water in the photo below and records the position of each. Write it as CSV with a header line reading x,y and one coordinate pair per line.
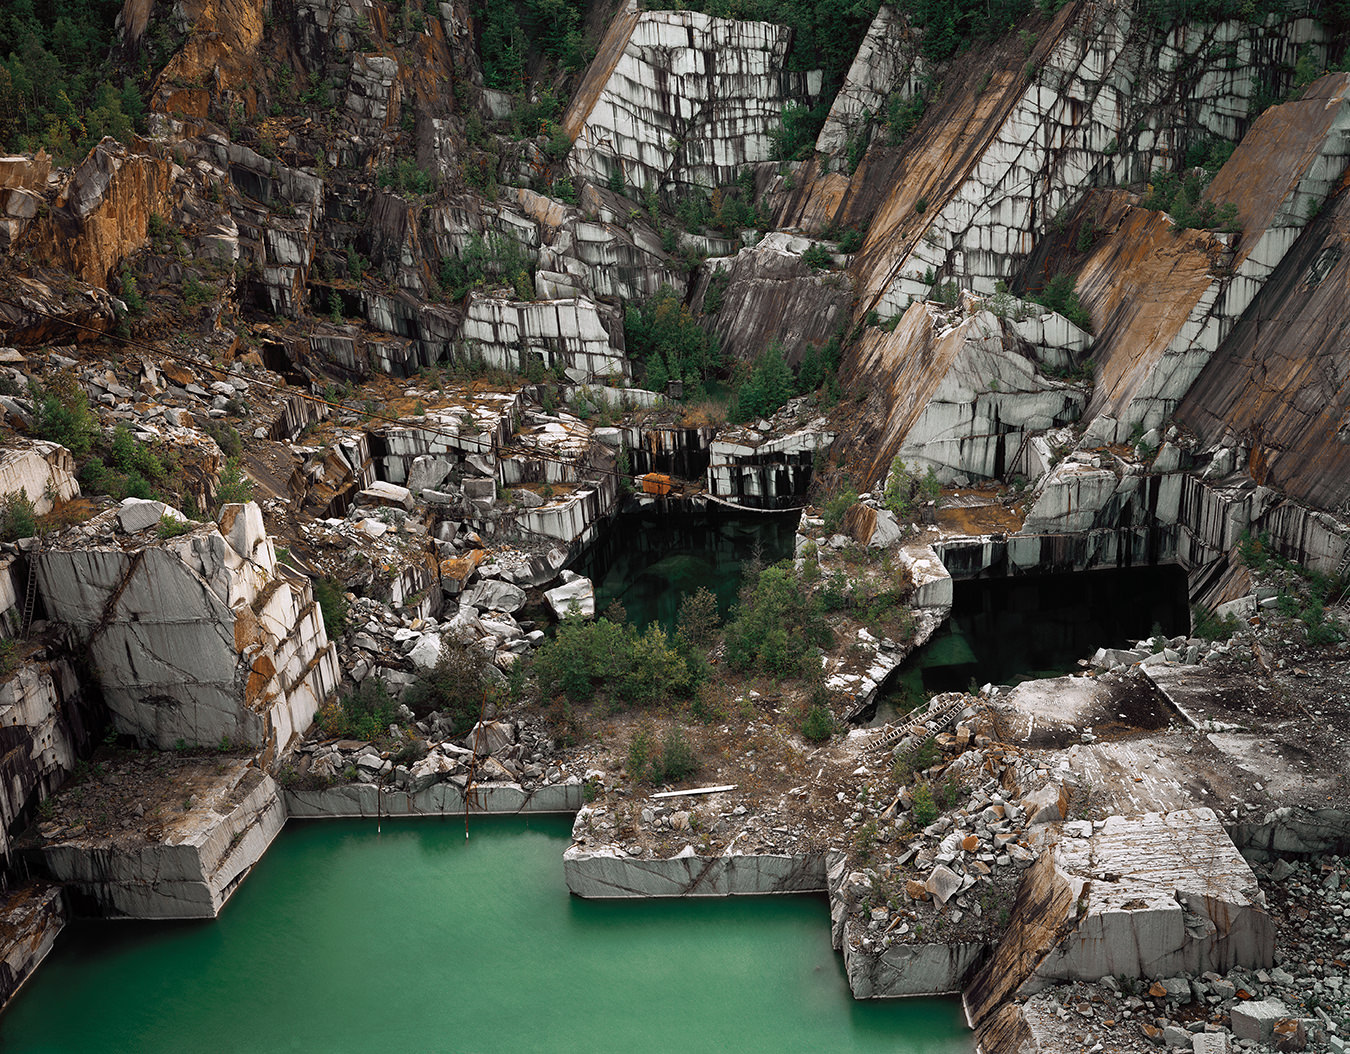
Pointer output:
x,y
412,940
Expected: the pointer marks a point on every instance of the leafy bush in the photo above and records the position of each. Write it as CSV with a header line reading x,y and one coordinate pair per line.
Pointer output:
x,y
365,713
1209,626
925,808
817,723
1182,197
18,517
836,507
768,385
1059,295
818,257
902,114
129,455
669,762
332,602
57,88
172,527
235,487
615,661
850,241
775,626
457,686
406,176
9,656
662,333
795,137
62,414
495,257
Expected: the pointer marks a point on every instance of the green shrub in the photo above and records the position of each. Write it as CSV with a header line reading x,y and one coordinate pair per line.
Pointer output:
x,y
663,334
1209,626
817,723
614,661
235,487
1059,295
670,761
61,414
365,713
18,517
836,507
172,527
902,114
333,603
818,257
850,241
496,257
458,685
765,389
406,176
9,656
925,808
775,626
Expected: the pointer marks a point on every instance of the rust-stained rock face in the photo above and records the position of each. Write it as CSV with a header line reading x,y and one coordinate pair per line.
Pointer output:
x,y
1278,386
31,917
223,32
1165,300
955,393
103,213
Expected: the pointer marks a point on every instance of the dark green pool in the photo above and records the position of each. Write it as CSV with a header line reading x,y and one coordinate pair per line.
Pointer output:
x,y
343,940
1007,630
649,561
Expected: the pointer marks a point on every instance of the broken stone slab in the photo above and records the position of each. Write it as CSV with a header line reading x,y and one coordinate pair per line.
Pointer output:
x,y
136,514
577,595
1048,804
388,494
1256,1019
44,472
943,883
426,652
32,916
1209,1043
184,866
1157,895
427,472
494,595
491,737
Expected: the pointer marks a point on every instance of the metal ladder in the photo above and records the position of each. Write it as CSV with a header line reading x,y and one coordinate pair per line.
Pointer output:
x,y
935,719
30,595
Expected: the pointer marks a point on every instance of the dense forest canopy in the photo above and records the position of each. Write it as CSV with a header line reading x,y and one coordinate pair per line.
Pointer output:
x,y
59,89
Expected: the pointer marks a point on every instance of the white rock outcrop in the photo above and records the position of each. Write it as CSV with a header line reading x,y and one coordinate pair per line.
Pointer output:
x,y
43,472
191,866
682,97
197,638
1154,895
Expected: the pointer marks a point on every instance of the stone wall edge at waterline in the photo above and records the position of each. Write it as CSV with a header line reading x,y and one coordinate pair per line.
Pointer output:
x,y
604,875
367,801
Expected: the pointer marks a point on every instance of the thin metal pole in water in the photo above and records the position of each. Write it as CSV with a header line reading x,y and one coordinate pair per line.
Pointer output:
x,y
473,762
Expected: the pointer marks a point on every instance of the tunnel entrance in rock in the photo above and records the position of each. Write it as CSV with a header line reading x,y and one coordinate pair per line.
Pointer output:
x,y
1013,629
